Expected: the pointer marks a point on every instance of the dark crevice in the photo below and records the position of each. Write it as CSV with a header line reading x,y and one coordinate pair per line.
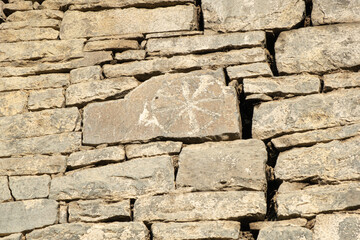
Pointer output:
x,y
246,111
200,15
132,203
271,38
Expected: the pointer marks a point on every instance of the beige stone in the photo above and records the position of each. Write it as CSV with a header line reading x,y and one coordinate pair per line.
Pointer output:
x,y
301,222
28,34
32,23
34,82
285,233
341,80
249,70
12,103
48,98
152,149
116,44
28,187
5,194
130,55
84,74
43,14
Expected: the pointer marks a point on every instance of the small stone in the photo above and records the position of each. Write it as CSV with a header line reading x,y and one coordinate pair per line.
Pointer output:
x,y
249,70
5,194
29,187
48,98
85,74
43,14
34,82
119,44
130,55
12,103
152,149
301,222
341,80
285,233
15,236
28,34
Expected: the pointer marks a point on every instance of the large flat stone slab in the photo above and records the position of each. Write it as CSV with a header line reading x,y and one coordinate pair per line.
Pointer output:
x,y
245,15
77,24
285,233
201,206
341,80
194,106
223,165
318,49
306,113
130,179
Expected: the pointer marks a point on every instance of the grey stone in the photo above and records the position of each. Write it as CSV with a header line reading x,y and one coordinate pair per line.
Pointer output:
x,y
32,23
35,165
171,106
101,231
43,14
117,181
306,113
26,215
112,44
223,165
197,230
204,43
34,82
5,194
84,74
249,70
89,157
15,236
152,149
28,34
12,103
98,210
85,92
201,206
337,226
28,187
130,55
316,199
333,11
285,233
47,98
341,80
301,222
318,49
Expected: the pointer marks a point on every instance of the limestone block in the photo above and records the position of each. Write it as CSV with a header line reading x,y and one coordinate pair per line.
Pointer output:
x,y
285,233
5,194
28,187
249,70
115,44
12,103
34,82
84,74
48,98
341,80
152,149
28,34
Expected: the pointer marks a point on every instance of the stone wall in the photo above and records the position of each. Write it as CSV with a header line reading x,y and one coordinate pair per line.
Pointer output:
x,y
179,119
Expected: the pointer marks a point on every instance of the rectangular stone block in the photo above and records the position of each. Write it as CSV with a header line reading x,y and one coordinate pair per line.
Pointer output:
x,y
77,24
249,70
112,44
116,181
223,165
152,149
318,49
201,206
28,34
29,187
47,98
84,74
306,113
27,215
12,103
5,194
341,80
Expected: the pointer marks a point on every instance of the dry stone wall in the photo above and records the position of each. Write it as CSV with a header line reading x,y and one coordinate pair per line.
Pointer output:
x,y
179,119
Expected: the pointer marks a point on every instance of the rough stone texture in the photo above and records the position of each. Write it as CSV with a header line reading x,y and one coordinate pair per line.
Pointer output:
x,y
130,55
82,231
114,44
333,11
306,113
204,43
28,34
313,200
318,49
89,157
28,187
92,73
85,92
4,189
301,222
200,206
177,63
77,24
285,233
43,14
59,143
317,136
117,181
98,210
249,70
15,236
181,106
198,230
224,165
36,124
32,165
152,149
12,103
281,86
244,15
48,98
21,216
337,227
34,82
341,80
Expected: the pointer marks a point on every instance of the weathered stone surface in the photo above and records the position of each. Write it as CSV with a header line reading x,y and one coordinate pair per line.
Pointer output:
x,y
79,231
116,44
15,236
35,14
98,210
117,181
48,98
34,124
281,86
84,74
32,23
28,187
89,157
317,136
130,55
301,222
318,49
152,149
27,215
333,11
204,43
12,103
4,189
59,143
32,165
306,113
341,80
84,92
181,106
285,233
243,15
197,230
159,65
200,206
249,70
337,227
222,165
28,34
77,24
313,200
34,82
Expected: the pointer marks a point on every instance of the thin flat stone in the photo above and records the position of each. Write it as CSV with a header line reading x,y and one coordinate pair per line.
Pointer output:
x,y
249,70
34,82
341,80
12,103
47,98
5,194
29,187
285,233
28,34
301,222
152,149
